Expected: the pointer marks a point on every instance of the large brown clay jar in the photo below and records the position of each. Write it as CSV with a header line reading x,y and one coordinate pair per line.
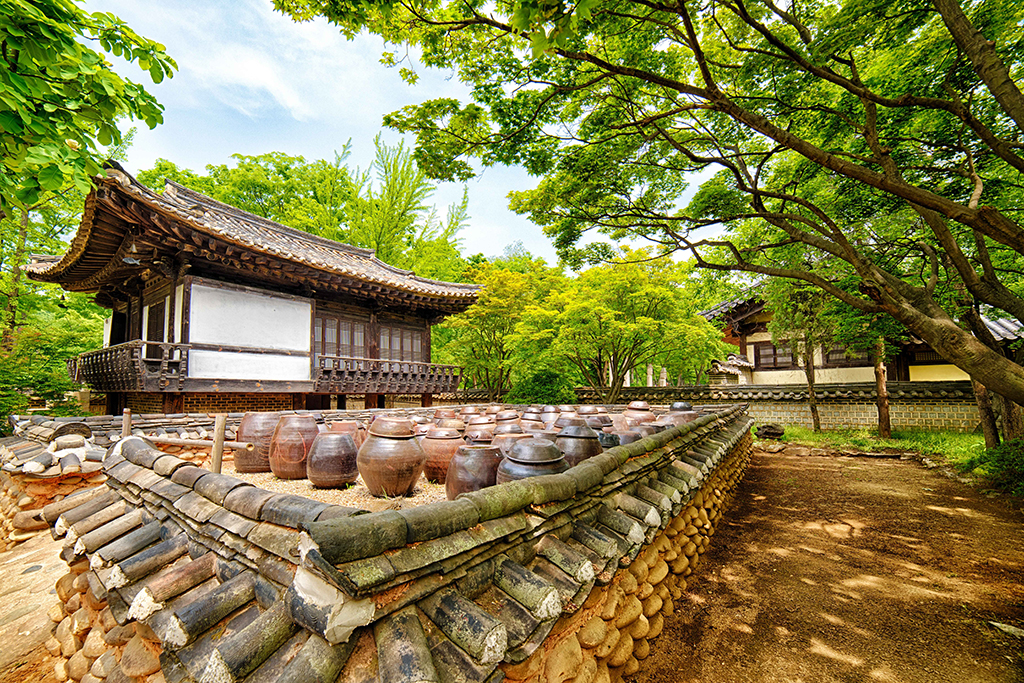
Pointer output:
x,y
257,429
440,445
578,442
290,445
471,469
531,458
332,460
391,460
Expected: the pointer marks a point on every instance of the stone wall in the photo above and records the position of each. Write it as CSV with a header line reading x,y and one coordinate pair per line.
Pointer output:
x,y
550,579
913,405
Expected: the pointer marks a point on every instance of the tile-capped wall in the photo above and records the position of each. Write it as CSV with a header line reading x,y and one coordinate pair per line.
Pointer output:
x,y
554,578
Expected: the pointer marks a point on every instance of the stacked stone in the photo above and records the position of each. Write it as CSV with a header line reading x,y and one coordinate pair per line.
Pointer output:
x,y
609,637
35,475
87,641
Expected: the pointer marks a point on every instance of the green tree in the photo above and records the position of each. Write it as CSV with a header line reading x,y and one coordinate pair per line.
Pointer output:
x,y
60,99
799,322
483,339
325,197
863,138
615,319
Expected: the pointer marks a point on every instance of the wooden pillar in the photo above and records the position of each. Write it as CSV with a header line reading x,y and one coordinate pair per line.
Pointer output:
x,y
219,425
342,402
426,400
298,401
174,402
373,401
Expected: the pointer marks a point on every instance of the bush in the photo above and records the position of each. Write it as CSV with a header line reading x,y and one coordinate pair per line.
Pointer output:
x,y
544,386
1003,466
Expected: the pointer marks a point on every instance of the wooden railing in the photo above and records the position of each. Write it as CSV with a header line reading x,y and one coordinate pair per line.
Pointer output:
x,y
155,366
133,366
343,375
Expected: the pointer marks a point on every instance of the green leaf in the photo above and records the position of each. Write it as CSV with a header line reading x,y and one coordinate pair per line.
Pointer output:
x,y
51,178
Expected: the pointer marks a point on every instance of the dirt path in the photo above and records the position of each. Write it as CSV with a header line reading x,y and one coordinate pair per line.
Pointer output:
x,y
851,569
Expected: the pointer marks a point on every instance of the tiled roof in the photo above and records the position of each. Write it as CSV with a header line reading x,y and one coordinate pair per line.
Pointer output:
x,y
240,583
194,211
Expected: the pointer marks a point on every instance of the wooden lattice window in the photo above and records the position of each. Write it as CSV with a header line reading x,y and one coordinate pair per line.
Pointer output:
x,y
768,356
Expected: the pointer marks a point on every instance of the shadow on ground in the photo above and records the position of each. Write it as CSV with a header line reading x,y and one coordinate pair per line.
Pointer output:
x,y
851,569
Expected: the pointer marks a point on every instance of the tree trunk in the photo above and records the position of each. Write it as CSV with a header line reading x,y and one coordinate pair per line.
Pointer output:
x,y
882,389
812,397
11,313
988,417
1013,420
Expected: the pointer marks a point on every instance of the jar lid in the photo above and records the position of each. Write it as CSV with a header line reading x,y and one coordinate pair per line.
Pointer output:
x,y
443,433
680,407
535,451
578,432
392,427
639,405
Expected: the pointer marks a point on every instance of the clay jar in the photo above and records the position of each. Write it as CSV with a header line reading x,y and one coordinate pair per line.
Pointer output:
x,y
391,460
290,445
468,411
531,458
452,423
578,442
354,428
478,435
257,429
471,469
332,460
639,410
509,416
439,445
444,414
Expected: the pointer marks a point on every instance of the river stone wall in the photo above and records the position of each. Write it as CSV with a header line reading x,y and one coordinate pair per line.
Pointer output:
x,y
179,574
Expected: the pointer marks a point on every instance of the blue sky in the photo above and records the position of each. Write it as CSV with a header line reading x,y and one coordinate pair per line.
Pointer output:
x,y
252,81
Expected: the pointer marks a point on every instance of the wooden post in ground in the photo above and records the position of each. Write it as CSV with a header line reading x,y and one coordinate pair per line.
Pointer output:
x,y
426,400
126,423
219,425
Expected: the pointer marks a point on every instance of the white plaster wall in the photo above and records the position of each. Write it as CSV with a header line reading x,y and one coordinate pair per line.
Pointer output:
x,y
936,373
243,318
255,366
179,306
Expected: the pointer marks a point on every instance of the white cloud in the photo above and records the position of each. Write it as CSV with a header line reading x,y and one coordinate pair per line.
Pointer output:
x,y
251,80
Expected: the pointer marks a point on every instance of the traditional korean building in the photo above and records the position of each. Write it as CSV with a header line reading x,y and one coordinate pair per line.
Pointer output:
x,y
744,322
216,309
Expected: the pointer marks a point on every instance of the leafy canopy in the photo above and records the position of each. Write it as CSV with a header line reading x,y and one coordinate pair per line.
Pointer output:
x,y
60,98
863,139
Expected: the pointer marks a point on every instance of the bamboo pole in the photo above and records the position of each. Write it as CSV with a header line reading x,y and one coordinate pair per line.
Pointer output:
x,y
218,441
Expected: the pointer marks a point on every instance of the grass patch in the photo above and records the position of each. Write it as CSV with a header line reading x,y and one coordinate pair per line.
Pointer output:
x,y
956,447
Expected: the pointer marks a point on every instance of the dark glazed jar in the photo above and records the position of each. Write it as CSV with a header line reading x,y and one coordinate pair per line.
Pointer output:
x,y
578,442
439,445
391,460
531,458
257,429
332,460
290,445
471,469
